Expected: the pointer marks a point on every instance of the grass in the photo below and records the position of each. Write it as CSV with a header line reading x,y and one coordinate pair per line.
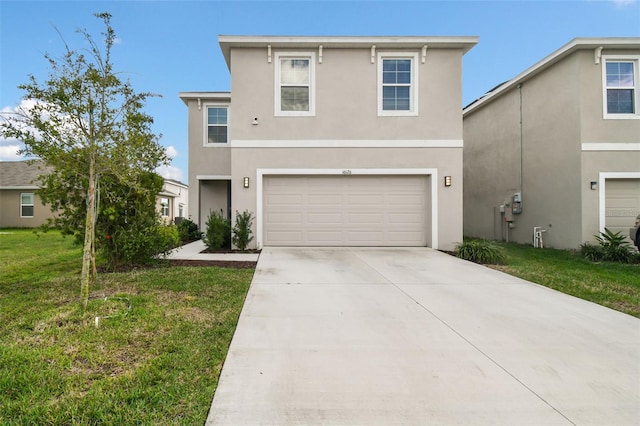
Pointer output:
x,y
155,360
613,285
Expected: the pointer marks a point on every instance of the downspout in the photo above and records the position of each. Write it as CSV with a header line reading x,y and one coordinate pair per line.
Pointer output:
x,y
521,141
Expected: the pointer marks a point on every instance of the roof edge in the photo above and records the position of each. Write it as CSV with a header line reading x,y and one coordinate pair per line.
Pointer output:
x,y
579,43
208,96
337,42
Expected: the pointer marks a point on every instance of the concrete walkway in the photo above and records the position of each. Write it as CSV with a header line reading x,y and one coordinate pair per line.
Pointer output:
x,y
192,251
413,336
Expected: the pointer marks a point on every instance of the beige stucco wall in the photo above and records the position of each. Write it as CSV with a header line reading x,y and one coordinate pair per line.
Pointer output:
x,y
10,210
491,165
203,160
551,177
562,113
213,196
594,163
346,109
593,128
346,99
447,162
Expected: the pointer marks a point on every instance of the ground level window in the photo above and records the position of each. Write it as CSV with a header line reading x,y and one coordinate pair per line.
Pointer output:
x,y
164,207
26,204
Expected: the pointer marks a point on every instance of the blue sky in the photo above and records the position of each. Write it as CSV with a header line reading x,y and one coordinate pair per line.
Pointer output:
x,y
168,47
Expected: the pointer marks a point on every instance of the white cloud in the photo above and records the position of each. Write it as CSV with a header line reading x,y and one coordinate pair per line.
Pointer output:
x,y
10,152
170,172
9,147
623,3
171,152
19,114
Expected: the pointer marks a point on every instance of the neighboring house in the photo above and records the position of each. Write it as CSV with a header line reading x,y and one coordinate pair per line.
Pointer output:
x,y
173,201
563,138
334,141
20,206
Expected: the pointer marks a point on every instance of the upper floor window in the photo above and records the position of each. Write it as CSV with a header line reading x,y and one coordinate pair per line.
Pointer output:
x,y
26,204
397,83
620,82
295,84
217,124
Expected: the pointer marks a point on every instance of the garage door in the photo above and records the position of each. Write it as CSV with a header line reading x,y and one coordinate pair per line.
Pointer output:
x,y
622,204
346,210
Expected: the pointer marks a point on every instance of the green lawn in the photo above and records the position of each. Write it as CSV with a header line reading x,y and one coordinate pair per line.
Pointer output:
x,y
156,360
614,285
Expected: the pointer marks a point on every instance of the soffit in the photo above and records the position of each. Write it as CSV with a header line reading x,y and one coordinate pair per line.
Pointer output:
x,y
465,43
205,96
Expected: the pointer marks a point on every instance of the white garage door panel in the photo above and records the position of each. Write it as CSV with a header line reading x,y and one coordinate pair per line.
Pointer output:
x,y
345,210
324,218
622,204
365,218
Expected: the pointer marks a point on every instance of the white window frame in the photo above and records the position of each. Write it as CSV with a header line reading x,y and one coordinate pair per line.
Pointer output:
x,y
32,205
635,59
311,57
413,93
164,207
205,108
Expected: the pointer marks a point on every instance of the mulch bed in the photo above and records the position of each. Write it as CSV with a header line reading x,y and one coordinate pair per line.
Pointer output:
x,y
219,263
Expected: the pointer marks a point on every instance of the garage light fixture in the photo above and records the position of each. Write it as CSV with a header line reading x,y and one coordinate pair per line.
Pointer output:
x,y
594,185
447,181
246,181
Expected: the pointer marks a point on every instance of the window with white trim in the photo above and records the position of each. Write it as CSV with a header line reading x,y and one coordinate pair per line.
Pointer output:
x,y
164,207
397,83
620,83
295,84
217,124
27,204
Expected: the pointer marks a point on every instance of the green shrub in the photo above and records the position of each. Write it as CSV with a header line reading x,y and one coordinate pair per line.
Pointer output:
x,y
218,232
481,251
137,246
242,230
188,231
168,238
591,253
612,247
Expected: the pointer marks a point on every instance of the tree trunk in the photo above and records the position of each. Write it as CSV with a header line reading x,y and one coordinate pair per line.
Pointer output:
x,y
88,261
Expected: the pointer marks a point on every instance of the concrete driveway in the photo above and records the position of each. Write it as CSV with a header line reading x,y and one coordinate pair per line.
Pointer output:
x,y
386,336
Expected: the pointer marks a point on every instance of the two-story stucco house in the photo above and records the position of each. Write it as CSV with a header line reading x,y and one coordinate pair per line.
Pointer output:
x,y
334,141
557,147
173,201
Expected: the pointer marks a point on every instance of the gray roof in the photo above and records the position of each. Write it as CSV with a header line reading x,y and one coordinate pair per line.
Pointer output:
x,y
20,174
